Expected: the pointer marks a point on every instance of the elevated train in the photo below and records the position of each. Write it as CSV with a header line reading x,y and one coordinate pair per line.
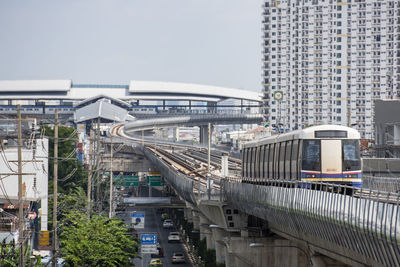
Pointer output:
x,y
325,153
36,109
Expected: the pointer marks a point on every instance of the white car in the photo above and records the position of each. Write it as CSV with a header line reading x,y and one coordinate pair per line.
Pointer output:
x,y
168,223
173,237
178,257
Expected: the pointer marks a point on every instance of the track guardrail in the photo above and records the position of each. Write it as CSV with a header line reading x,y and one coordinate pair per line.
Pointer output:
x,y
368,228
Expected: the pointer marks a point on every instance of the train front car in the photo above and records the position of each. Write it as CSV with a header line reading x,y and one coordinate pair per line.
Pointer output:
x,y
325,153
331,154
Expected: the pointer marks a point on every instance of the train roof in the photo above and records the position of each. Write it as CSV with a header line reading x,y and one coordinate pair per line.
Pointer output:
x,y
307,133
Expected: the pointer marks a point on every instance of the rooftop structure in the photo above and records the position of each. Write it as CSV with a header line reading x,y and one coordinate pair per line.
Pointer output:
x,y
136,90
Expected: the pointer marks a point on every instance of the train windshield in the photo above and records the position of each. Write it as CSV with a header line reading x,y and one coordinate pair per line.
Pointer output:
x,y
311,155
351,155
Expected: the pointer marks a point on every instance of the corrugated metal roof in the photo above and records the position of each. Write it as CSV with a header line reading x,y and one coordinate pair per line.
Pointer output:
x,y
97,97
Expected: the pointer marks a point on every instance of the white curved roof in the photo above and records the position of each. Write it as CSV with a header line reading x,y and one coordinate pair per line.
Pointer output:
x,y
172,88
34,85
136,90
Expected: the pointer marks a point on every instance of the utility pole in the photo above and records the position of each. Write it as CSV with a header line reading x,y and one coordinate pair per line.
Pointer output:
x,y
20,200
55,185
209,147
99,177
208,161
111,179
89,192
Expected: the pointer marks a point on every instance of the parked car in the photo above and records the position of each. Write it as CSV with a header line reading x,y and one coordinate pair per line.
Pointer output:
x,y
155,263
160,253
168,223
173,237
178,257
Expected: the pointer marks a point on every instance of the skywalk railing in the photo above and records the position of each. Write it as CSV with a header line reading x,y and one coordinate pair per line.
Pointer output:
x,y
387,184
365,226
182,184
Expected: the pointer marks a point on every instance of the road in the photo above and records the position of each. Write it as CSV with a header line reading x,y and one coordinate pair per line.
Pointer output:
x,y
153,224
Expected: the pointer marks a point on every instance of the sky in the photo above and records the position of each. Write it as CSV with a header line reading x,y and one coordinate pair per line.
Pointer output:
x,y
211,42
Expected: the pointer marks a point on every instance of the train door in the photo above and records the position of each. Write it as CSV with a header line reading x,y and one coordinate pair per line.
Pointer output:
x,y
331,155
294,160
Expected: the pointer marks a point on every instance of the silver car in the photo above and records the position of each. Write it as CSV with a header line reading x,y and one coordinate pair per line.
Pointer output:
x,y
168,223
178,257
173,237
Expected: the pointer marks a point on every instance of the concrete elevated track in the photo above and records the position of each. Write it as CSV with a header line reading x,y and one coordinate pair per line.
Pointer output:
x,y
358,230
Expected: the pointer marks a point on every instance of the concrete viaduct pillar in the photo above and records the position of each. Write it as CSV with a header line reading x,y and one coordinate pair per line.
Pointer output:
x,y
204,134
196,220
219,235
205,232
187,212
263,251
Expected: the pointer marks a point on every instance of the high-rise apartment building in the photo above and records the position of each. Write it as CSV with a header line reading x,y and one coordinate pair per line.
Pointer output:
x,y
331,59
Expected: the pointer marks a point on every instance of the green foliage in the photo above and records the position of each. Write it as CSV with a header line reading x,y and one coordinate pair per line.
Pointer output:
x,y
98,242
75,200
210,258
201,249
9,256
66,146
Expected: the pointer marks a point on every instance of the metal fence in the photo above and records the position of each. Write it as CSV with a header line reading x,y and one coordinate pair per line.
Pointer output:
x,y
387,184
182,184
366,227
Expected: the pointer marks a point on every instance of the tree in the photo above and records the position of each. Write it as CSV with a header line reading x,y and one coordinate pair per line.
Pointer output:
x,y
68,162
9,255
99,241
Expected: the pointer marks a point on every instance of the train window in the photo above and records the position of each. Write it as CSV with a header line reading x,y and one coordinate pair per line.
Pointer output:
x,y
351,155
271,161
266,161
282,160
266,151
287,159
250,170
295,158
311,155
244,162
330,134
253,161
256,162
247,162
262,161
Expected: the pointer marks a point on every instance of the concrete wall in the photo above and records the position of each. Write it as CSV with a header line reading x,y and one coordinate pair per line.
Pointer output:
x,y
381,166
